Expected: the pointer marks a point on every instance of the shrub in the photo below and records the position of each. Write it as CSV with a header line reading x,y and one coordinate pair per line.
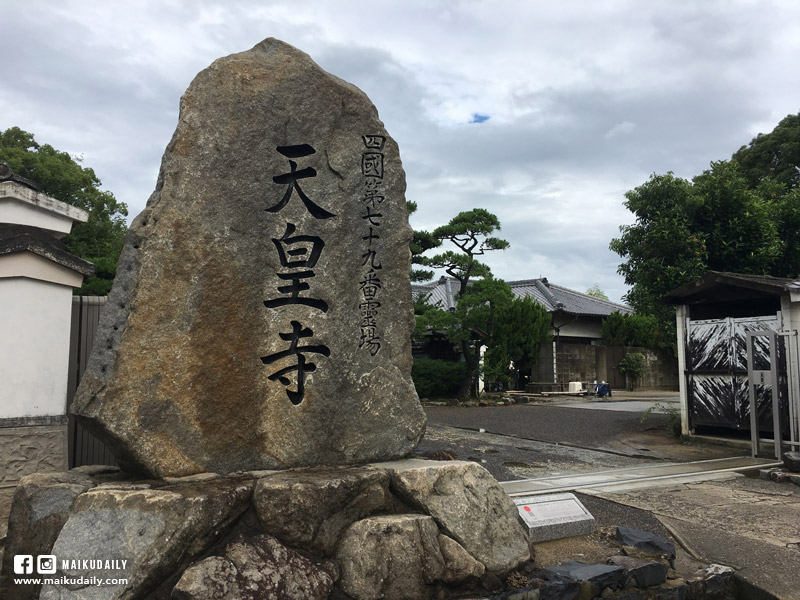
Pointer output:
x,y
437,378
634,366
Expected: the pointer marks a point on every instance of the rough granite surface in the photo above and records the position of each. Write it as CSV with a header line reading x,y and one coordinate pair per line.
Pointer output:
x,y
261,314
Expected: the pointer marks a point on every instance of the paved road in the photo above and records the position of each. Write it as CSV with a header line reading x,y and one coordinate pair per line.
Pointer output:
x,y
507,457
548,423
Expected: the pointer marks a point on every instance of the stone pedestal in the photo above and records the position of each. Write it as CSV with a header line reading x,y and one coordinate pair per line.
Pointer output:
x,y
406,529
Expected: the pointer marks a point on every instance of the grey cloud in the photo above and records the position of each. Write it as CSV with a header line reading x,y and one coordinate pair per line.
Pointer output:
x,y
558,81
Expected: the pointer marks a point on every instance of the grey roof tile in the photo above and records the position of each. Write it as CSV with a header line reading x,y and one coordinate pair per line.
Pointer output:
x,y
552,297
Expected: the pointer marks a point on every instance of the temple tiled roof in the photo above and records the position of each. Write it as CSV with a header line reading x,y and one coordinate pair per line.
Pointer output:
x,y
553,297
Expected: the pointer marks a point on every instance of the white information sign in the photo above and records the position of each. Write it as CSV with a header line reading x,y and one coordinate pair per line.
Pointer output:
x,y
554,516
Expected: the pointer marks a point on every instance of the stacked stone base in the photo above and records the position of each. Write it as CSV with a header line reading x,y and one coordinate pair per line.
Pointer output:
x,y
408,529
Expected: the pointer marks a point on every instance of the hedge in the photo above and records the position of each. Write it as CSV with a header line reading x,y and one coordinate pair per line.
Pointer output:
x,y
437,378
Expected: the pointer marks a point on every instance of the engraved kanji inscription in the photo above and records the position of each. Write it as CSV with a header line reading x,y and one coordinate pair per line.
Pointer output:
x,y
372,217
370,286
291,178
374,142
370,258
302,366
372,164
306,248
297,252
370,340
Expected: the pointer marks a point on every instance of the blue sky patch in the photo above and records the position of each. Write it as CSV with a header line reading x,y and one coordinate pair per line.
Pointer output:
x,y
478,118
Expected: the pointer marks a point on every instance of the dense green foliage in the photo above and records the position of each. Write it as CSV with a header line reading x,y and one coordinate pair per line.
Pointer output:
x,y
422,241
634,366
521,327
620,329
59,175
470,326
740,215
470,232
437,378
773,155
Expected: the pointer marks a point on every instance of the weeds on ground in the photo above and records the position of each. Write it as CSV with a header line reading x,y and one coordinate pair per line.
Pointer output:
x,y
673,417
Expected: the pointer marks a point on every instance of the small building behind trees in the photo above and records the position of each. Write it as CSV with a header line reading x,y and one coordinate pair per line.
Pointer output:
x,y
575,351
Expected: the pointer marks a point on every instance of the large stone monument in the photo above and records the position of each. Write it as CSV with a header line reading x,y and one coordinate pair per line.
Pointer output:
x,y
261,319
261,315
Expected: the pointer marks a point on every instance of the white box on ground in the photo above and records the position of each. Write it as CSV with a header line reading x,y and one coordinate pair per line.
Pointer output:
x,y
575,387
554,516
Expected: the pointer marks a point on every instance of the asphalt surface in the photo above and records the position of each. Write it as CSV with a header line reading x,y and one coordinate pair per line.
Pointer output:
x,y
547,423
508,457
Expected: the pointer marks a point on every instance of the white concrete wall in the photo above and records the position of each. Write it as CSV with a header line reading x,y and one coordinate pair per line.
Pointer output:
x,y
20,213
33,266
24,206
790,311
34,354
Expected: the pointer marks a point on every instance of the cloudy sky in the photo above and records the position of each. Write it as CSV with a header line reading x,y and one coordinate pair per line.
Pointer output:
x,y
544,113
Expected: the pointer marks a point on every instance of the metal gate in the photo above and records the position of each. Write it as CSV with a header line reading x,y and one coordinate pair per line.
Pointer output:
x,y
716,356
771,388
84,448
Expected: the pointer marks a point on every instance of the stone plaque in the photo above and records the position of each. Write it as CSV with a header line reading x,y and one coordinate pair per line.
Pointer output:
x,y
261,315
554,516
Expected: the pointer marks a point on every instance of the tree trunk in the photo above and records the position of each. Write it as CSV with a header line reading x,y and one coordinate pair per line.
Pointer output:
x,y
472,358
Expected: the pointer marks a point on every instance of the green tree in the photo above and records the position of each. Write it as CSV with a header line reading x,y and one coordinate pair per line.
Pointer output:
x,y
471,325
740,215
771,165
470,232
59,175
620,329
521,327
774,155
736,223
634,366
597,292
662,250
421,242
786,211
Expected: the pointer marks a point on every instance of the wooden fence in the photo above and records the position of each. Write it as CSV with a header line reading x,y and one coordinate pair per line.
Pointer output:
x,y
84,448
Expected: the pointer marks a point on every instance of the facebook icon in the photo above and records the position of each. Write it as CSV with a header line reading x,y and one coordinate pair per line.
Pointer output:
x,y
23,564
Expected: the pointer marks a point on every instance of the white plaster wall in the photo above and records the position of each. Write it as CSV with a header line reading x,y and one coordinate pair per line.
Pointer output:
x,y
21,205
33,266
583,327
790,311
34,347
22,213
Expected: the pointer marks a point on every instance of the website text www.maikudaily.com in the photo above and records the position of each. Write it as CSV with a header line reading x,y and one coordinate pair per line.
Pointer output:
x,y
47,573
